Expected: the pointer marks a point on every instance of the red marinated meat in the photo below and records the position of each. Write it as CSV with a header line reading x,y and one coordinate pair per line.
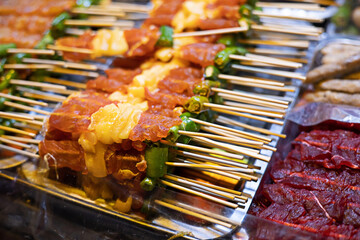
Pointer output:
x,y
202,54
117,80
60,154
208,24
166,99
74,115
164,14
141,41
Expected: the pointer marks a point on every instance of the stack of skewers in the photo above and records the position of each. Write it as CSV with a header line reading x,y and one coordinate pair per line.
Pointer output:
x,y
166,103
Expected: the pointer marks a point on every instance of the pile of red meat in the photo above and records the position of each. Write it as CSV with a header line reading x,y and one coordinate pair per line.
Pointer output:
x,y
317,186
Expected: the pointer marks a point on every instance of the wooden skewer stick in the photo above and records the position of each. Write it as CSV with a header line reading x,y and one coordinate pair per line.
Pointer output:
x,y
75,31
281,43
28,92
15,116
226,120
267,60
248,116
311,29
239,141
252,101
292,17
254,107
235,149
61,91
192,213
210,32
270,72
64,64
65,82
27,108
8,141
208,190
307,6
14,130
201,149
70,49
243,110
196,193
20,118
36,84
206,166
74,72
96,11
249,95
22,139
216,144
25,100
234,192
322,2
283,30
212,159
22,152
242,133
125,7
91,23
27,66
275,88
33,116
268,51
251,80
31,51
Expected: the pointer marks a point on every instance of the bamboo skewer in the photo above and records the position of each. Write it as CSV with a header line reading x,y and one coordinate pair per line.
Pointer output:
x,y
264,59
8,141
270,72
70,49
28,92
307,6
22,152
214,144
96,11
31,51
192,213
212,159
250,95
27,66
64,64
211,32
36,84
242,133
33,116
268,51
15,116
21,139
252,101
281,43
74,72
25,100
275,28
65,82
322,2
250,80
27,108
205,166
254,107
236,140
294,17
196,193
225,120
201,149
91,23
14,130
243,110
125,7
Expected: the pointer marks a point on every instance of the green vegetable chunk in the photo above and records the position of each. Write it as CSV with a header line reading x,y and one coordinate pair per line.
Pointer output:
x,y
6,79
173,134
166,37
148,184
5,47
227,40
211,73
196,104
58,25
46,40
155,158
222,59
204,88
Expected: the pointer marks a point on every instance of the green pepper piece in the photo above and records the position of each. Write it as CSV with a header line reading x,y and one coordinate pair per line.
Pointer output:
x,y
155,158
211,73
187,115
166,37
18,57
227,40
222,59
2,63
58,25
204,88
46,40
189,125
252,3
173,134
216,99
6,79
148,184
207,115
5,47
196,104
342,17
